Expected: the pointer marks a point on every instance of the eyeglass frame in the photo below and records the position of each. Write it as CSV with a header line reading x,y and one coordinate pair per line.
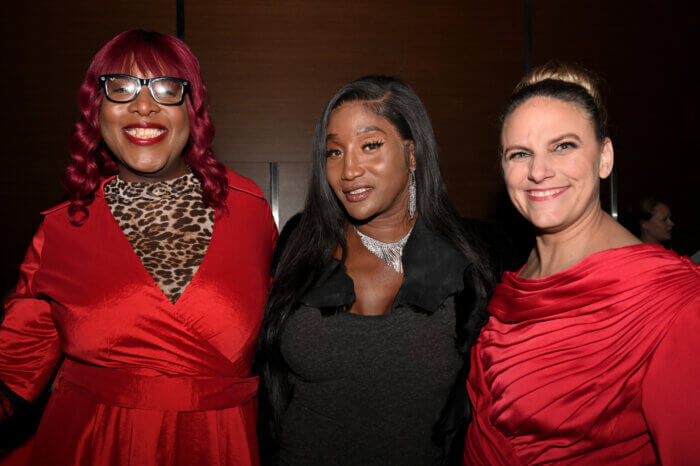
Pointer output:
x,y
143,82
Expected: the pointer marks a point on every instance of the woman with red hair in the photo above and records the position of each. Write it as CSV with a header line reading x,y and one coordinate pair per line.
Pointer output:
x,y
149,283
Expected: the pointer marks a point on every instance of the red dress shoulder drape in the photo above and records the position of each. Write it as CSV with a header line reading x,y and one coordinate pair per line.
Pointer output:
x,y
144,381
593,365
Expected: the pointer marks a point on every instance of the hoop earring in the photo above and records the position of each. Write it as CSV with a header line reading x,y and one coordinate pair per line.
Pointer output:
x,y
412,195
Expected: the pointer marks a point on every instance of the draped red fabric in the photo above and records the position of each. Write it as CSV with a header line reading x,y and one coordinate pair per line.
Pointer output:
x,y
562,371
146,381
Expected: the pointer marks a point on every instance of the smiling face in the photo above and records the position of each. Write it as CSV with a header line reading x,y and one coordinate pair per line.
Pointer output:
x,y
658,227
368,163
146,138
552,163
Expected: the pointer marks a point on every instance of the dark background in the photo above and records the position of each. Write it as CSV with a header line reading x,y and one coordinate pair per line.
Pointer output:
x,y
271,65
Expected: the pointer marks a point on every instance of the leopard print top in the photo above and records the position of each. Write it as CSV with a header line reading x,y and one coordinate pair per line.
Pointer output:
x,y
168,226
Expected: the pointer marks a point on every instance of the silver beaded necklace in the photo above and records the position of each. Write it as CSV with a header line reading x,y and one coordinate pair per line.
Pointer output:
x,y
389,253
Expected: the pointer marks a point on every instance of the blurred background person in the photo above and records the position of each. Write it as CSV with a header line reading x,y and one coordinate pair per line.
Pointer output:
x,y
649,219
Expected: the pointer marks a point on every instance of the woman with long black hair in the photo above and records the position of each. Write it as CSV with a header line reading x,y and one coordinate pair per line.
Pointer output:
x,y
377,297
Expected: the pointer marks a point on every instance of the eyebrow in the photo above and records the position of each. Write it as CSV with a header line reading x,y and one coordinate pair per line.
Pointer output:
x,y
552,141
565,136
365,129
509,148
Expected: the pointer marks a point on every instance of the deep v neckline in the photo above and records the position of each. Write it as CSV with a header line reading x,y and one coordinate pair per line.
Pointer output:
x,y
144,270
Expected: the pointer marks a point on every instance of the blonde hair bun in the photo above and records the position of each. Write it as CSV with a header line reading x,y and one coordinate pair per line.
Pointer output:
x,y
570,73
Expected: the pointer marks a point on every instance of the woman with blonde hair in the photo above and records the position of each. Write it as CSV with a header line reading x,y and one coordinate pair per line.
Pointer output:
x,y
589,354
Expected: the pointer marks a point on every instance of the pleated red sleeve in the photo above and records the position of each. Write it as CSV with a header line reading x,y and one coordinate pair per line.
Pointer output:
x,y
671,392
29,346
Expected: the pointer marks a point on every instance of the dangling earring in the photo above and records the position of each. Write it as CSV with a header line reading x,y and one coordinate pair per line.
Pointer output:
x,y
412,195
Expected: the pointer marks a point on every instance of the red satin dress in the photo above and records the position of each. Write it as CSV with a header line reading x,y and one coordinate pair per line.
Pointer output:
x,y
144,381
597,364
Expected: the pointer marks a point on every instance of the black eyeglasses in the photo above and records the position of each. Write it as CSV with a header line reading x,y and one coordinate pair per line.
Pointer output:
x,y
123,88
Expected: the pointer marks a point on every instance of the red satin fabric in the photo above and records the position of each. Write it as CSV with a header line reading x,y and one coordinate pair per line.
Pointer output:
x,y
575,368
84,293
161,392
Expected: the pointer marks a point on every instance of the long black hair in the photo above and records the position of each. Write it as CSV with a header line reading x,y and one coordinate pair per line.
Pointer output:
x,y
323,222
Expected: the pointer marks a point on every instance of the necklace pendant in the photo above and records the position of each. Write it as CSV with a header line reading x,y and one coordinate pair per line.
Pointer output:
x,y
389,253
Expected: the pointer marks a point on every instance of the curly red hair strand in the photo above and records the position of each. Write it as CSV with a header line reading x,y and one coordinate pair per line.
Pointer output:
x,y
91,162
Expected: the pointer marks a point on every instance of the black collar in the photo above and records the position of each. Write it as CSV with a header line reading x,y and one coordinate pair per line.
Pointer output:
x,y
433,270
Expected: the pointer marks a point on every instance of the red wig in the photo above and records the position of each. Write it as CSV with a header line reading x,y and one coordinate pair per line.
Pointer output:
x,y
160,55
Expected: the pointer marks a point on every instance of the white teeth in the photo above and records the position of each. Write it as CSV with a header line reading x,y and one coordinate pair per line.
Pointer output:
x,y
145,133
359,190
546,193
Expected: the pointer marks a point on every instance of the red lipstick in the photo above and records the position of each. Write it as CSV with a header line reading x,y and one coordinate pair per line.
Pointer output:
x,y
145,141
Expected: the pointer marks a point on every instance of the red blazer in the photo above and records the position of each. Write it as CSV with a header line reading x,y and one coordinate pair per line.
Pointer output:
x,y
145,381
